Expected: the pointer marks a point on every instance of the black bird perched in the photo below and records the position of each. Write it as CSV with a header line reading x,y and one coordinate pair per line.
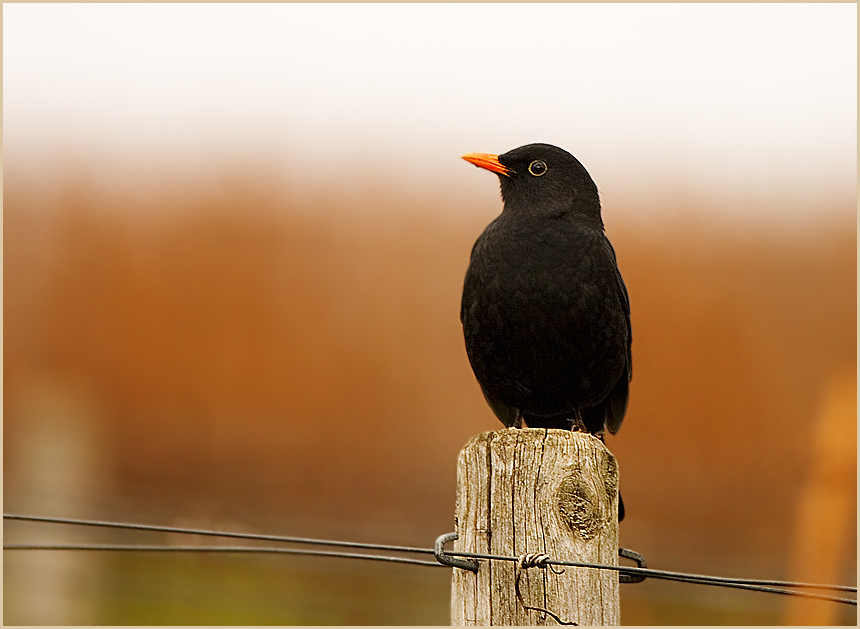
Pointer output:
x,y
545,313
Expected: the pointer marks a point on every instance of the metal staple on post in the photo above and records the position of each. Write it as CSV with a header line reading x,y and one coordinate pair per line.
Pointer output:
x,y
441,557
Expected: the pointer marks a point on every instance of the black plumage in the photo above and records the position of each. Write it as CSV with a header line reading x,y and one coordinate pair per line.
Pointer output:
x,y
545,313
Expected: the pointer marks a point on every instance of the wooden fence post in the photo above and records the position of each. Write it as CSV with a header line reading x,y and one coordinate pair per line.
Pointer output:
x,y
534,490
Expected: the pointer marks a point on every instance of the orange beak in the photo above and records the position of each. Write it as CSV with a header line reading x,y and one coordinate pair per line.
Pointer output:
x,y
490,162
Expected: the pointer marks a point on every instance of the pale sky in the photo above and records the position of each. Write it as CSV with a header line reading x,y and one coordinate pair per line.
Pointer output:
x,y
752,97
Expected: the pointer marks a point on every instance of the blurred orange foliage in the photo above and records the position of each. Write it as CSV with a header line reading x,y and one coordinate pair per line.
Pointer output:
x,y
260,358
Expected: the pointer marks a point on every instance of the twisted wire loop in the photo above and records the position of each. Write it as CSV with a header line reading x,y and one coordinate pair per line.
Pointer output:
x,y
535,560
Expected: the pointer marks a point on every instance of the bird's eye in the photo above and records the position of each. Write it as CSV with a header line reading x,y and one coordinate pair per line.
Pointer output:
x,y
537,168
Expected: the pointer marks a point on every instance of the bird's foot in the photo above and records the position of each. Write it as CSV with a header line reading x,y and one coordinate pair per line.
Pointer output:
x,y
577,425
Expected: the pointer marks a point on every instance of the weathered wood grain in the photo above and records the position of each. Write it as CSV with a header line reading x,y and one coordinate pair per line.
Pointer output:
x,y
536,491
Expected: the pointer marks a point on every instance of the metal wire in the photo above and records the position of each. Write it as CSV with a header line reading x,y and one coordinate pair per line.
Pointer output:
x,y
173,529
742,584
220,549
746,584
665,574
534,560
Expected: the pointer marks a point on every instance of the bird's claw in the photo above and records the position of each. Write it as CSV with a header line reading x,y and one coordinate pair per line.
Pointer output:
x,y
577,425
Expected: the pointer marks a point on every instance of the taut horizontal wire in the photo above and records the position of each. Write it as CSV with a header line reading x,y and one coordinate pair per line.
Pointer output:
x,y
659,574
187,531
665,574
747,584
219,549
701,579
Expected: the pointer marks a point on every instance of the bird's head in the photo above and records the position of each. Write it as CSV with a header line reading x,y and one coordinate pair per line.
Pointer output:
x,y
541,179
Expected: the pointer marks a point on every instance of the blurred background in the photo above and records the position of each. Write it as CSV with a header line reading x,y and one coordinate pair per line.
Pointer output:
x,y
234,244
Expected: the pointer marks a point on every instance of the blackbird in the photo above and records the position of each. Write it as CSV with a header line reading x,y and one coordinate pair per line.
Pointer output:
x,y
545,313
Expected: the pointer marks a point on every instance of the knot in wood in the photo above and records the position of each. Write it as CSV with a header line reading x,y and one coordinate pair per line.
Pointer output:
x,y
578,506
610,477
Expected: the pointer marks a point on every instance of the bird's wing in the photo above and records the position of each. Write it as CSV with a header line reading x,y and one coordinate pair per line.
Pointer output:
x,y
625,302
507,414
467,289
621,391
